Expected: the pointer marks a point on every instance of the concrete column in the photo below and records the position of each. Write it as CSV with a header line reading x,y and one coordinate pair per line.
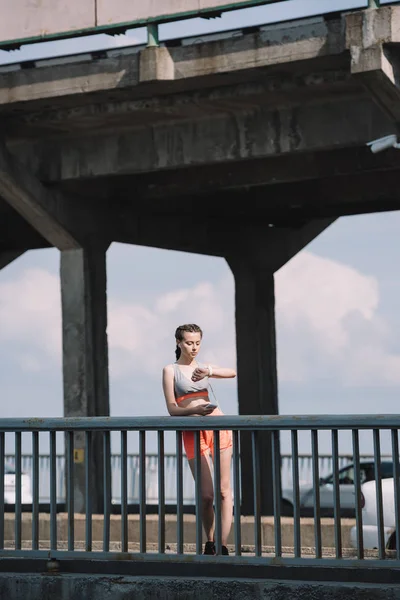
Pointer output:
x,y
255,254
257,371
85,358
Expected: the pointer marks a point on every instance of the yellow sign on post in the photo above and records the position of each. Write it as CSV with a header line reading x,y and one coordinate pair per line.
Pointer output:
x,y
79,455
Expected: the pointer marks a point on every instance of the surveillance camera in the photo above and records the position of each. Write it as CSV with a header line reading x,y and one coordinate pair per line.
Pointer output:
x,y
384,143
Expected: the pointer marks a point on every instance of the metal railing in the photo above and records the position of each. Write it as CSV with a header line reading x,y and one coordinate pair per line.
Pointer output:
x,y
305,466
380,429
152,23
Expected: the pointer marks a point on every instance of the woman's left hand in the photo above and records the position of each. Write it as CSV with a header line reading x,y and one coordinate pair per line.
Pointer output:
x,y
199,373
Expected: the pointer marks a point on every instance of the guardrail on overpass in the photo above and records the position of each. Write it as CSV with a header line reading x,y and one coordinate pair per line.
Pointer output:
x,y
50,23
256,426
305,466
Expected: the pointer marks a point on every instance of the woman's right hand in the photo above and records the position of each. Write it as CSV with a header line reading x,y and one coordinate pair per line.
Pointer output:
x,y
204,409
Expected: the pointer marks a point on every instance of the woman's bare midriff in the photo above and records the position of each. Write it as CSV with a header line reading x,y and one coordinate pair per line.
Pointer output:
x,y
194,402
191,402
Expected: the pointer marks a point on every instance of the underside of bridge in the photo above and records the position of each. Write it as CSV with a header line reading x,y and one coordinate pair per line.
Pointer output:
x,y
245,147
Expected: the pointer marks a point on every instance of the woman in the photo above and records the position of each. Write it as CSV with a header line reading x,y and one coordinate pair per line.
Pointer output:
x,y
185,385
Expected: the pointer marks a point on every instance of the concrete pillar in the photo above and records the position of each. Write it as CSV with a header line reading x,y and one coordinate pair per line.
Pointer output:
x,y
85,358
257,371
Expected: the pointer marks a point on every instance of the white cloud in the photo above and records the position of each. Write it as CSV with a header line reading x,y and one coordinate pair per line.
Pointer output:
x,y
328,324
143,337
30,318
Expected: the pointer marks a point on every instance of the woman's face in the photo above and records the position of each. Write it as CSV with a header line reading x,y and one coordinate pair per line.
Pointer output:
x,y
190,345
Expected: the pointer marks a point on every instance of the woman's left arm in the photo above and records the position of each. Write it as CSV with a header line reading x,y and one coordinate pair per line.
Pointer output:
x,y
220,372
213,371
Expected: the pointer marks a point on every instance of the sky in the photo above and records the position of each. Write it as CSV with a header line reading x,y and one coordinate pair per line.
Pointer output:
x,y
337,300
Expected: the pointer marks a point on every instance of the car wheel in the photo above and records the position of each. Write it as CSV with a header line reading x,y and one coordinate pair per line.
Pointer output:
x,y
391,543
286,509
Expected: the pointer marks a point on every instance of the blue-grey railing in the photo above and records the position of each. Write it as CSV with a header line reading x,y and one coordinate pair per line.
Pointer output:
x,y
304,468
383,427
152,24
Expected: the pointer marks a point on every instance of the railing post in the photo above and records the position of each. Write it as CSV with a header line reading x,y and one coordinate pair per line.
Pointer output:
x,y
152,35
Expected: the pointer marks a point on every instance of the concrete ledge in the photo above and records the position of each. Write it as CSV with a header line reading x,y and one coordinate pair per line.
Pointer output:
x,y
247,529
15,586
275,44
156,64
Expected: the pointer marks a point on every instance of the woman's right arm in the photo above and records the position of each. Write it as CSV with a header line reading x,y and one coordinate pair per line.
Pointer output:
x,y
172,407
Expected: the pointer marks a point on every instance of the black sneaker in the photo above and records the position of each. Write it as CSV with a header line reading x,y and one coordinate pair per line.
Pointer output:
x,y
209,548
224,551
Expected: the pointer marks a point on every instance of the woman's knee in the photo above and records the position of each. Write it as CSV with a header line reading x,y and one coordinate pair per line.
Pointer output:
x,y
226,491
208,498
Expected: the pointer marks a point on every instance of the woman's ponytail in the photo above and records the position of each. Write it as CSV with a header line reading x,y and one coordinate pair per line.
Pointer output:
x,y
178,352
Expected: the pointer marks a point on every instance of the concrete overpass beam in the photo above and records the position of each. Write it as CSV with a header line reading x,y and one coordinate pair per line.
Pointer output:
x,y
8,257
85,357
283,243
373,62
42,209
253,260
378,69
258,133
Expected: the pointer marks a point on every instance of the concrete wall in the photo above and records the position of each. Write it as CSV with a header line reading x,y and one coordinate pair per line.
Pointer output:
x,y
247,529
94,587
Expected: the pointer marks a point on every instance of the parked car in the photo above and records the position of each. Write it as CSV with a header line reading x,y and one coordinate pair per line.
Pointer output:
x,y
370,516
326,490
10,483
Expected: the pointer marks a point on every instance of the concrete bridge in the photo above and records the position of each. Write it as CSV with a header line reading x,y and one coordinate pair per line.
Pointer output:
x,y
244,146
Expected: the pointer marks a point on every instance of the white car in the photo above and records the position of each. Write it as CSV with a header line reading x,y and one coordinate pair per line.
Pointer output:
x,y
10,483
326,490
370,516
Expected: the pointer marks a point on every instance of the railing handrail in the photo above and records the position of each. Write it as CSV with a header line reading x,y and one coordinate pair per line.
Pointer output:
x,y
238,422
91,488
150,22
283,455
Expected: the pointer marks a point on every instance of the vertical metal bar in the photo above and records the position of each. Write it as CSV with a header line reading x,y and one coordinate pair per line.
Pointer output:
x,y
357,485
35,490
179,493
217,492
53,491
276,488
124,491
236,493
152,35
161,493
378,491
396,484
336,494
88,488
142,489
70,488
256,491
2,466
107,490
317,503
18,484
296,494
199,500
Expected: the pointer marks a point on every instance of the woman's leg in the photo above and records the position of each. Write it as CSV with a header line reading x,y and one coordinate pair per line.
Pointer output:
x,y
226,494
207,494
